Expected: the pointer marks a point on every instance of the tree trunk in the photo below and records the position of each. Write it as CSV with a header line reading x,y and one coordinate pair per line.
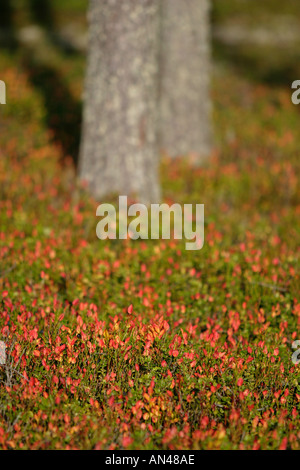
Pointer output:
x,y
119,153
185,126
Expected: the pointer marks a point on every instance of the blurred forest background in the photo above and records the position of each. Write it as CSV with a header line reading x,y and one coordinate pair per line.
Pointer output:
x,y
257,40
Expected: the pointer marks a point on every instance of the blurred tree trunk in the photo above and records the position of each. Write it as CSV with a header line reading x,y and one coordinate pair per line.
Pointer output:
x,y
119,151
185,126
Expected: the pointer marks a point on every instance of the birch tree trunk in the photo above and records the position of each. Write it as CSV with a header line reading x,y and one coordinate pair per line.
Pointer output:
x,y
119,153
185,126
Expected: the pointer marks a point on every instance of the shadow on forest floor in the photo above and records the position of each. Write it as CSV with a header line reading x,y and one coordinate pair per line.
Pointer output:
x,y
63,112
42,13
7,36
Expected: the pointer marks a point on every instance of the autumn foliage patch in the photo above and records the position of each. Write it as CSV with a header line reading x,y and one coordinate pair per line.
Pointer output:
x,y
128,344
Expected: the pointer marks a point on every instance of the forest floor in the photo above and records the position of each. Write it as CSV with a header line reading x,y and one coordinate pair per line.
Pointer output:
x,y
144,345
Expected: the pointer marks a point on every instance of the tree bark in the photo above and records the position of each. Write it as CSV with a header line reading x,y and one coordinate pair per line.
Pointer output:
x,y
119,153
185,108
